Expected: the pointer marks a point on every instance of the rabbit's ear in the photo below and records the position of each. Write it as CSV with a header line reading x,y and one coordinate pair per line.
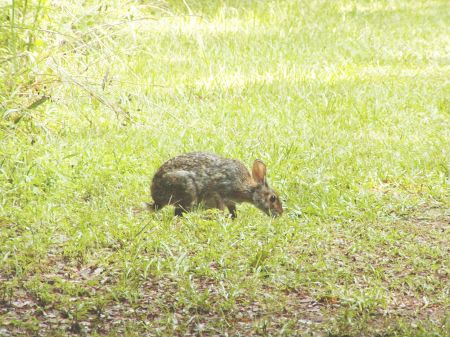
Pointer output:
x,y
259,172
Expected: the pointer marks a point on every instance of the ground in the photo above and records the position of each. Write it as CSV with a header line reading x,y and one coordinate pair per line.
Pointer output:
x,y
345,101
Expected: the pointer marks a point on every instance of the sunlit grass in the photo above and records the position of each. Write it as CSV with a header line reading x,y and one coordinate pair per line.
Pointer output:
x,y
346,102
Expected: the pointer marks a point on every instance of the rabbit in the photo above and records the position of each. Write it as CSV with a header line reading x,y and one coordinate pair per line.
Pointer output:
x,y
205,178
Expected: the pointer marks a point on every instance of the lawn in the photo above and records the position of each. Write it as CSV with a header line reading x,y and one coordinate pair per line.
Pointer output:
x,y
348,104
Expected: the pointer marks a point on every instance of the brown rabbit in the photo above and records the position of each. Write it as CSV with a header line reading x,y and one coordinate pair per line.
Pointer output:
x,y
190,179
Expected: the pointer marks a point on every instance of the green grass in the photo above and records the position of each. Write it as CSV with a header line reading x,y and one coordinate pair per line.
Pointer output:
x,y
347,102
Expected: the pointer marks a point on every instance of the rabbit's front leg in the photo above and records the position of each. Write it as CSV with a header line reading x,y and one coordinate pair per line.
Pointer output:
x,y
232,209
214,200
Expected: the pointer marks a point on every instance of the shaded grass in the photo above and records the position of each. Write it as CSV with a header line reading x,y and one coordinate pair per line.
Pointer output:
x,y
347,103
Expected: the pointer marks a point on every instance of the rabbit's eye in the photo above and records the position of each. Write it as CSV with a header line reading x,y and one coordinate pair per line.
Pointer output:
x,y
273,198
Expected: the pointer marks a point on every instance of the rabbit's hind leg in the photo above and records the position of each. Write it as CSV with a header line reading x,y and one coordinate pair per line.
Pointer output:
x,y
179,210
180,190
183,204
183,201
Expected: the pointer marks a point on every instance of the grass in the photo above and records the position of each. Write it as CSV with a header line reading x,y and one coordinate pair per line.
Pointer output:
x,y
347,103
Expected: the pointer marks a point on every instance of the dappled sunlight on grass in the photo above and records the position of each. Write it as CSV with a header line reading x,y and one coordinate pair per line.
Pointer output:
x,y
387,6
194,26
345,101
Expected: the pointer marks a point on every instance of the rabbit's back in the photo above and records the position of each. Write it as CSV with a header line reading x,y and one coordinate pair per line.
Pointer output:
x,y
196,176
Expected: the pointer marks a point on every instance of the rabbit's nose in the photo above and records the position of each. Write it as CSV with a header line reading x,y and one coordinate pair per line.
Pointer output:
x,y
274,213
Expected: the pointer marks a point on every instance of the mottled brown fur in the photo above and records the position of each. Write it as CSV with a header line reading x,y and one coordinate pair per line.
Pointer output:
x,y
204,178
